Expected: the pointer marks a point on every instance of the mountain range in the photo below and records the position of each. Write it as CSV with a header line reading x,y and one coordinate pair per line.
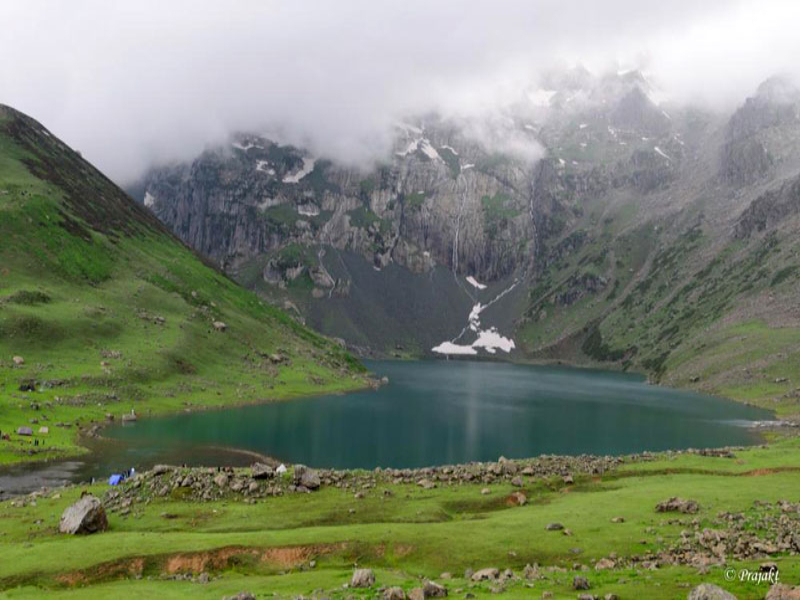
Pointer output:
x,y
591,222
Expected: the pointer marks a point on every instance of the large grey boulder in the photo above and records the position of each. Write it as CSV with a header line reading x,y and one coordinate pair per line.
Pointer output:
x,y
362,578
708,591
431,589
261,471
87,515
675,504
781,591
306,477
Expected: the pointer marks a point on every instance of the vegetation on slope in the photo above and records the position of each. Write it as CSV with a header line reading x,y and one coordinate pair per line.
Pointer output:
x,y
106,312
677,303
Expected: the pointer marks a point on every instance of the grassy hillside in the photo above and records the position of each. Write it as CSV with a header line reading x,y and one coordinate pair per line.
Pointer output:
x,y
111,313
682,300
175,547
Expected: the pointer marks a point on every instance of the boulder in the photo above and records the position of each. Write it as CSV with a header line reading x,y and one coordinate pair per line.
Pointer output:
x,y
604,563
554,527
306,477
18,360
261,471
580,583
708,591
362,578
221,480
781,591
482,574
220,326
675,504
431,589
394,593
24,431
87,515
518,498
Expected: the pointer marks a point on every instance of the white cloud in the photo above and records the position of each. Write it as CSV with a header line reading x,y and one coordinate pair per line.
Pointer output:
x,y
129,83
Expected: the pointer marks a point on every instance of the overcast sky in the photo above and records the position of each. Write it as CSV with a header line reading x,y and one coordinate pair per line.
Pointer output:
x,y
132,82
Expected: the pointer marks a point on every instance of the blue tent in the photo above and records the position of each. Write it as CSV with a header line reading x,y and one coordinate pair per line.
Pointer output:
x,y
114,479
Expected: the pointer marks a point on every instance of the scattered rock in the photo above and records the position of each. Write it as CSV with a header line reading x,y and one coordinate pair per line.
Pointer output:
x,y
486,491
604,563
24,431
781,591
618,520
161,469
554,527
568,479
431,589
708,591
220,326
675,504
241,596
530,571
306,477
394,593
518,498
580,582
517,482
87,515
221,480
485,574
261,471
18,360
44,430
362,578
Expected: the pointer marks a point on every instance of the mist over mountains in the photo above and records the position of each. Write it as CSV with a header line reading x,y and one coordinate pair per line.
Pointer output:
x,y
161,82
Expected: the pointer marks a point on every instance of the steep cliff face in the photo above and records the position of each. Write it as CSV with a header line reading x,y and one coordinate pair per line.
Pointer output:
x,y
531,236
441,200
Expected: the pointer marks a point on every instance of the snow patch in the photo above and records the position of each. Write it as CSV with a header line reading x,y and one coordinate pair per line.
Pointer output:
x,y
245,146
308,166
263,166
308,210
149,200
661,152
583,126
490,340
428,150
451,348
475,283
412,147
453,150
467,166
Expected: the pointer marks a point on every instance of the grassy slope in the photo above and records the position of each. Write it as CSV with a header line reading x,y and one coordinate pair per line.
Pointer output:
x,y
410,534
84,273
689,313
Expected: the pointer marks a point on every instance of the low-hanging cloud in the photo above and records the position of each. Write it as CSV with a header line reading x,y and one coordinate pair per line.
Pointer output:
x,y
134,83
